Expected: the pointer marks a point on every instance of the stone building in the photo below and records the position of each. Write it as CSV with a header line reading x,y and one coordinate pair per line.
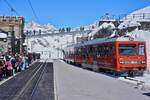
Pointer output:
x,y
14,27
3,42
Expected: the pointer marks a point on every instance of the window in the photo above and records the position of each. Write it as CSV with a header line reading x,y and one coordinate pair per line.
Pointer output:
x,y
127,49
106,50
111,50
141,49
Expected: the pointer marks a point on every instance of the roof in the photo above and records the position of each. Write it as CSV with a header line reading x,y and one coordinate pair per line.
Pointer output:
x,y
104,40
140,15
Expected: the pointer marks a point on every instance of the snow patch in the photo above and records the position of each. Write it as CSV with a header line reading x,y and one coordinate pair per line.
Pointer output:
x,y
31,26
108,25
129,23
103,26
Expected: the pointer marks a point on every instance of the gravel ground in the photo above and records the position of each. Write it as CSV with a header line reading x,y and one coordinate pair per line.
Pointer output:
x,y
73,83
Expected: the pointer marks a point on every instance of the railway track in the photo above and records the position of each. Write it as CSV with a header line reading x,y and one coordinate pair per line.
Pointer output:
x,y
37,82
29,88
44,89
24,85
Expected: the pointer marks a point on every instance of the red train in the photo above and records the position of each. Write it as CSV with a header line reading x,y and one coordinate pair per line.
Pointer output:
x,y
121,56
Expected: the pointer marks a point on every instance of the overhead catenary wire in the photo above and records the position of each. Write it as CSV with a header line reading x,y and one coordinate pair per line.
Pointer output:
x,y
11,7
34,13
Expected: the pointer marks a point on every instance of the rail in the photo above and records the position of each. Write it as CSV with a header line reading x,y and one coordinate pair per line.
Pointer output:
x,y
38,80
27,88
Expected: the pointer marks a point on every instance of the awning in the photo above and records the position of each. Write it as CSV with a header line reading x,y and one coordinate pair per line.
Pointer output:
x,y
3,35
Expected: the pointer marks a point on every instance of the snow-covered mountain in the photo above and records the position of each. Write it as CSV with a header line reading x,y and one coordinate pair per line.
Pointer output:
x,y
36,26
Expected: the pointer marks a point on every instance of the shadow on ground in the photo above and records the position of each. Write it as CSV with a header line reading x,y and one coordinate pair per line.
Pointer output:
x,y
147,94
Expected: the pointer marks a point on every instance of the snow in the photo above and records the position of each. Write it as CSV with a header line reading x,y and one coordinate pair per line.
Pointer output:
x,y
141,82
94,31
140,15
3,35
108,25
145,79
103,26
51,46
24,44
107,18
31,26
129,23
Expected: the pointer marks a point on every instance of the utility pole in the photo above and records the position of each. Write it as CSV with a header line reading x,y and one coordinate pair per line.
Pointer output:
x,y
73,41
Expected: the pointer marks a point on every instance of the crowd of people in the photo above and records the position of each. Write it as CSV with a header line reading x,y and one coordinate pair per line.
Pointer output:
x,y
10,65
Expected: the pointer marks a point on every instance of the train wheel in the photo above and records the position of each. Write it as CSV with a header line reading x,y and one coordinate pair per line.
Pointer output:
x,y
130,73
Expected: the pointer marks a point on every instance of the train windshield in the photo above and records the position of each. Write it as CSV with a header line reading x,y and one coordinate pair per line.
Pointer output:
x,y
128,49
141,49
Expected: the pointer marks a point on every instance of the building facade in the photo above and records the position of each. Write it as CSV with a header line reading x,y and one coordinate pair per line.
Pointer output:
x,y
14,27
3,42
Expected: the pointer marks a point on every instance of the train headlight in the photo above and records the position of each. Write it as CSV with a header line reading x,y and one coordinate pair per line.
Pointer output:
x,y
132,62
125,62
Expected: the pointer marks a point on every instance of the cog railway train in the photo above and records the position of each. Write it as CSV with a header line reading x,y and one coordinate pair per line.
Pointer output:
x,y
122,56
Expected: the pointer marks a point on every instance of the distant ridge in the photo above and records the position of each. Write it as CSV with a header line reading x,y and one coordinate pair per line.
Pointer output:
x,y
31,26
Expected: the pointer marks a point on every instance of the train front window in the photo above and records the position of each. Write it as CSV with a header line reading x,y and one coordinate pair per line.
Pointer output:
x,y
141,49
127,49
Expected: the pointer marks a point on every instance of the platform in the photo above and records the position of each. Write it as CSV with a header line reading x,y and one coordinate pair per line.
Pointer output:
x,y
73,83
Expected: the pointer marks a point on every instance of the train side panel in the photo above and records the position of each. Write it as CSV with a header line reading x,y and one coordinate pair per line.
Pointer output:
x,y
106,56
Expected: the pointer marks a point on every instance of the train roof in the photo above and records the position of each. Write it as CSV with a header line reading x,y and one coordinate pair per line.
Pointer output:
x,y
104,40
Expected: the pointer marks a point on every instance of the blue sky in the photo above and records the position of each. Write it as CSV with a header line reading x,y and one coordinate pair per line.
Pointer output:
x,y
63,13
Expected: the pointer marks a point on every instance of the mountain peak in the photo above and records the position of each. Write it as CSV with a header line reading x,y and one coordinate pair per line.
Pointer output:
x,y
36,26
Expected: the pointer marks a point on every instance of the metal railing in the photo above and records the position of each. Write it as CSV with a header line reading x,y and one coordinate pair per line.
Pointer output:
x,y
139,16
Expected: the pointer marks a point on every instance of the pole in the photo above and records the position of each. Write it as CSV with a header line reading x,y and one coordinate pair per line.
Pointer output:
x,y
12,40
